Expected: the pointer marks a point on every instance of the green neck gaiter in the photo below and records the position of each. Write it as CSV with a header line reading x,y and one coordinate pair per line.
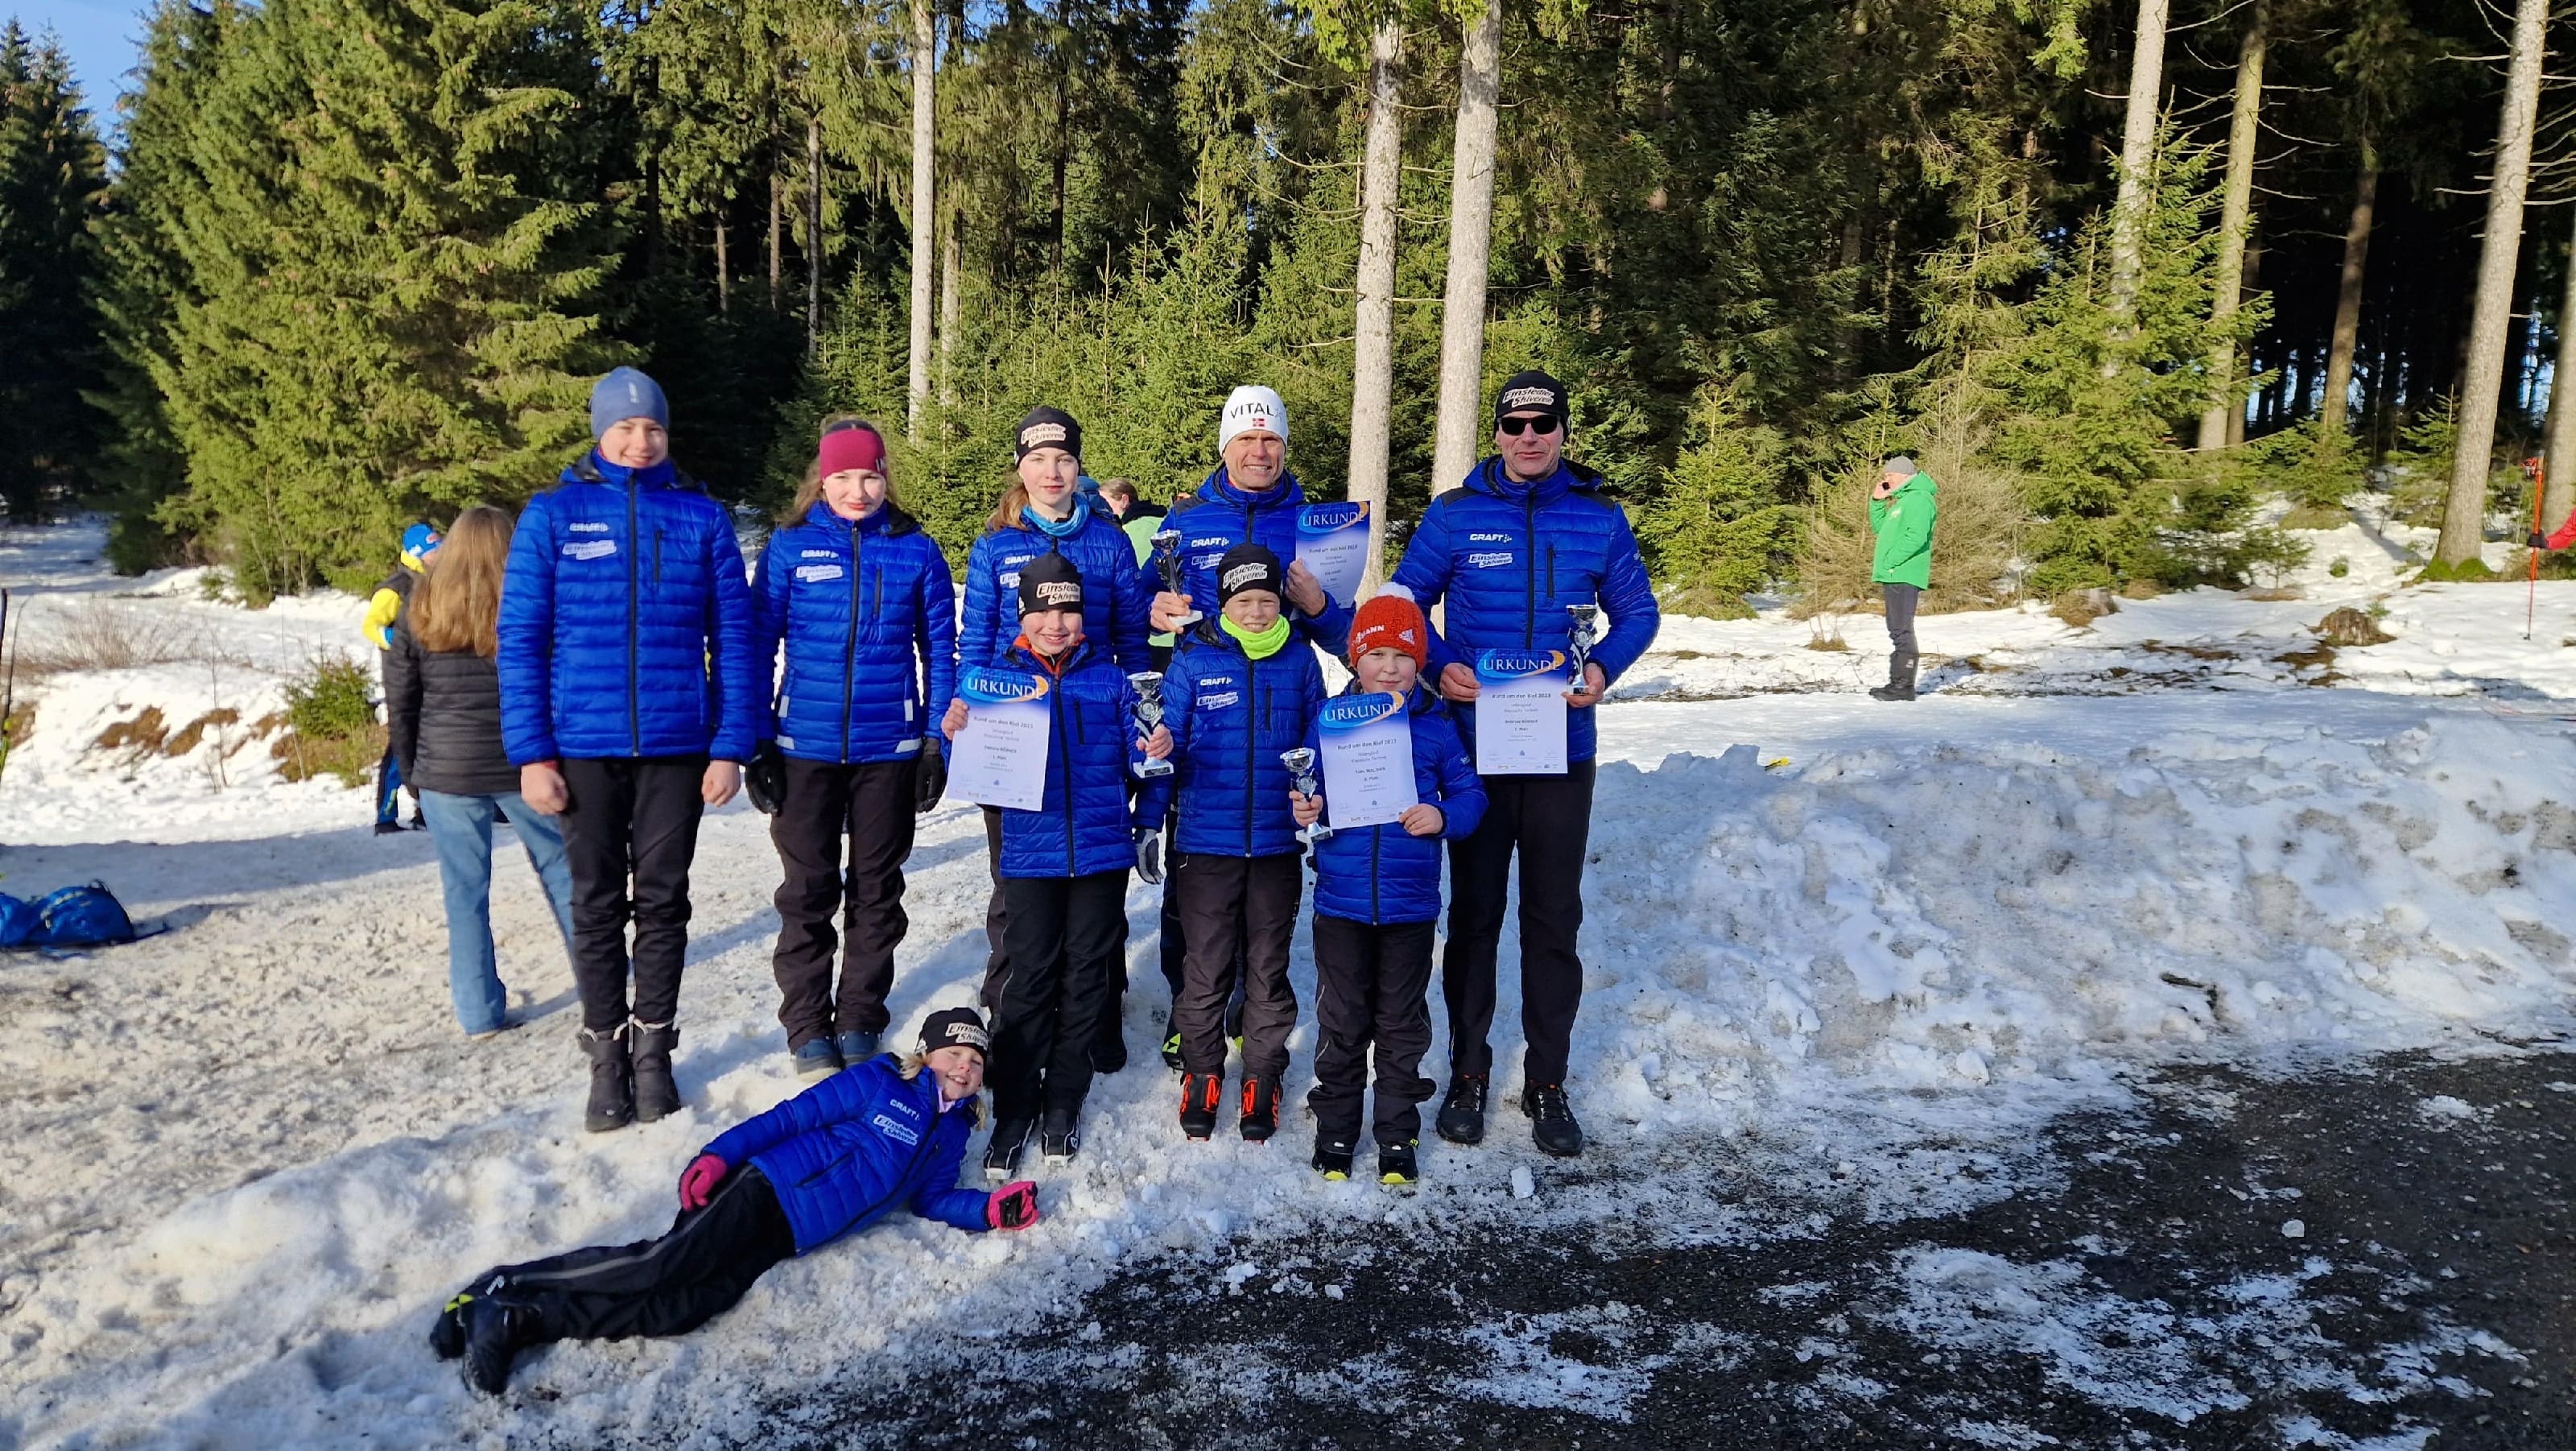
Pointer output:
x,y
1261,646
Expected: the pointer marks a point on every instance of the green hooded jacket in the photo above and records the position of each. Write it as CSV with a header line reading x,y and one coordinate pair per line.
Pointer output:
x,y
1903,523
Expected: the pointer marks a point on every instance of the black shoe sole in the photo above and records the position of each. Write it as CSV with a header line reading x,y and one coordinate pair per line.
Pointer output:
x,y
1454,1136
1257,1133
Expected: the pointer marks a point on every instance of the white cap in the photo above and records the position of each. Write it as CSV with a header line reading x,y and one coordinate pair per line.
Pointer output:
x,y
1248,408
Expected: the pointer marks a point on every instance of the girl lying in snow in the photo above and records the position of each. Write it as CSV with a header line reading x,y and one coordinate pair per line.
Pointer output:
x,y
840,1155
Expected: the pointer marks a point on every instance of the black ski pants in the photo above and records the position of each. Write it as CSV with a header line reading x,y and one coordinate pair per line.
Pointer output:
x,y
1547,820
868,807
1060,954
666,1286
1372,989
630,834
1226,902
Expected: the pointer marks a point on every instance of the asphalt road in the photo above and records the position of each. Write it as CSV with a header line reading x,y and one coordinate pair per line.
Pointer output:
x,y
2130,1281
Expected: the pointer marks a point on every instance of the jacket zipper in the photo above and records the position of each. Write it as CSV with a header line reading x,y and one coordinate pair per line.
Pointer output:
x,y
850,648
1377,864
634,684
1071,860
1529,619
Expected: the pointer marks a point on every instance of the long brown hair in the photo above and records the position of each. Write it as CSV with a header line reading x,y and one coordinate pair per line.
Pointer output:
x,y
811,490
456,606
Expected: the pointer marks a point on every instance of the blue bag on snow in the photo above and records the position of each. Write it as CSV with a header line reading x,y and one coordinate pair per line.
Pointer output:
x,y
19,921
87,916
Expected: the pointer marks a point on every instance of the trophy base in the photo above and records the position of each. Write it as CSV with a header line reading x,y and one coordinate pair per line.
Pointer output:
x,y
1155,768
1313,834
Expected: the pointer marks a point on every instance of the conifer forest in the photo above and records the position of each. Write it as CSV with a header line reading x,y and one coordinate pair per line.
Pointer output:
x,y
2119,272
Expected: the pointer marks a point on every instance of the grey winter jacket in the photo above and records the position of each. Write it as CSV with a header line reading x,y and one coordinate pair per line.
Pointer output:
x,y
444,710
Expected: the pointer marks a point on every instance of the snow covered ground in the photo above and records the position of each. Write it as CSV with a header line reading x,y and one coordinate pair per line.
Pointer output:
x,y
1881,941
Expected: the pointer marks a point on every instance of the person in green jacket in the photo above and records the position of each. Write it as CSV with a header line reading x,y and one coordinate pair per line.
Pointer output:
x,y
1901,510
1139,519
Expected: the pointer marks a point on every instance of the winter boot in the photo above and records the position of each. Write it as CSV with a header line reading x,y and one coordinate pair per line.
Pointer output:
x,y
447,1334
496,1330
656,1096
612,1083
1553,1124
1462,1111
1900,679
1199,1095
1010,1140
1398,1165
1061,1137
1109,1050
857,1046
1333,1157
1260,1110
815,1058
1171,1052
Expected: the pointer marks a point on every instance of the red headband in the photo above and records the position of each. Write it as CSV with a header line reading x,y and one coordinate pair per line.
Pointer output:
x,y
853,447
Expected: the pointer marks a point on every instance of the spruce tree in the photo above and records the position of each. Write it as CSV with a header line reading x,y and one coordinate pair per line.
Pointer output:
x,y
52,171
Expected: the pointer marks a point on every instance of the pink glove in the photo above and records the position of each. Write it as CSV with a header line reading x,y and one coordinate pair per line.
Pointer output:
x,y
1013,1206
698,1181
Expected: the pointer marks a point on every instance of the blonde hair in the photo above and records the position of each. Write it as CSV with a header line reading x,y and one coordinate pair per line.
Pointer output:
x,y
1124,489
810,490
1006,513
458,602
910,1066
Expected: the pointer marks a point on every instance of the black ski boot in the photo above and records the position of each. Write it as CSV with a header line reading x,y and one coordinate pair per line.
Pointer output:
x,y
1398,1165
1061,1138
496,1330
447,1335
1900,679
612,1081
656,1096
1109,1049
1462,1111
1553,1123
1172,1052
1199,1095
1010,1140
1260,1110
1333,1157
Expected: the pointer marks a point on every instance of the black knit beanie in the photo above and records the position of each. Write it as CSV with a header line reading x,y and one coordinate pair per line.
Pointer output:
x,y
1047,428
1050,582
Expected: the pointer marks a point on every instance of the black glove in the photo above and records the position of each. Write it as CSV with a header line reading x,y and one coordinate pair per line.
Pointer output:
x,y
929,777
765,779
2538,540
1149,856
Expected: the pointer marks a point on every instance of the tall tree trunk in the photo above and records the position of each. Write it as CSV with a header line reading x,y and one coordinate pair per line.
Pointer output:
x,y
1373,351
814,234
724,270
952,256
2243,136
1471,234
777,224
2137,158
2347,318
924,220
2559,452
2464,513
2251,282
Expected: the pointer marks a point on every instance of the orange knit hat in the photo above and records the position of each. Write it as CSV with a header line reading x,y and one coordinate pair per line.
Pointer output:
x,y
1391,622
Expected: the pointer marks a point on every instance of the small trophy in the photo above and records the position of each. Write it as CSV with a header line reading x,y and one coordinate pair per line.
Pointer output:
x,y
1148,715
1301,771
1579,649
1167,563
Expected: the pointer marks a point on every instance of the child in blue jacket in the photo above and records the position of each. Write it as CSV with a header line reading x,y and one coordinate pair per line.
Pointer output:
x,y
838,1157
862,602
1064,871
630,697
1241,691
1377,893
1045,511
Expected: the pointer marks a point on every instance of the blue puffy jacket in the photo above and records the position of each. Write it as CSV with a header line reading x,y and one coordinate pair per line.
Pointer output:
x,y
1082,825
1509,557
863,610
1381,874
1115,602
1231,716
625,623
1220,516
857,1146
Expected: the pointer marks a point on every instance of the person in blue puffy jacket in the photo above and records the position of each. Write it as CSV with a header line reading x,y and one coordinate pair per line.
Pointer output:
x,y
1377,894
838,1157
630,696
1064,868
1528,537
1045,511
862,602
1240,692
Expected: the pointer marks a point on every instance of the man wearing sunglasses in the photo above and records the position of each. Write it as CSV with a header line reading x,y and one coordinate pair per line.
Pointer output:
x,y
1527,537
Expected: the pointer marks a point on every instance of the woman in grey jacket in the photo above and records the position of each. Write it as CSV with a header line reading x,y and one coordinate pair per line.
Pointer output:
x,y
443,702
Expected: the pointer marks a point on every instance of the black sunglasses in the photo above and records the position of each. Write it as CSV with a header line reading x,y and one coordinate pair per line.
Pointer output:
x,y
1543,425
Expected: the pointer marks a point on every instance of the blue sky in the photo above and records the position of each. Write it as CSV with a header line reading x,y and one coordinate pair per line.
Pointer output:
x,y
99,35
